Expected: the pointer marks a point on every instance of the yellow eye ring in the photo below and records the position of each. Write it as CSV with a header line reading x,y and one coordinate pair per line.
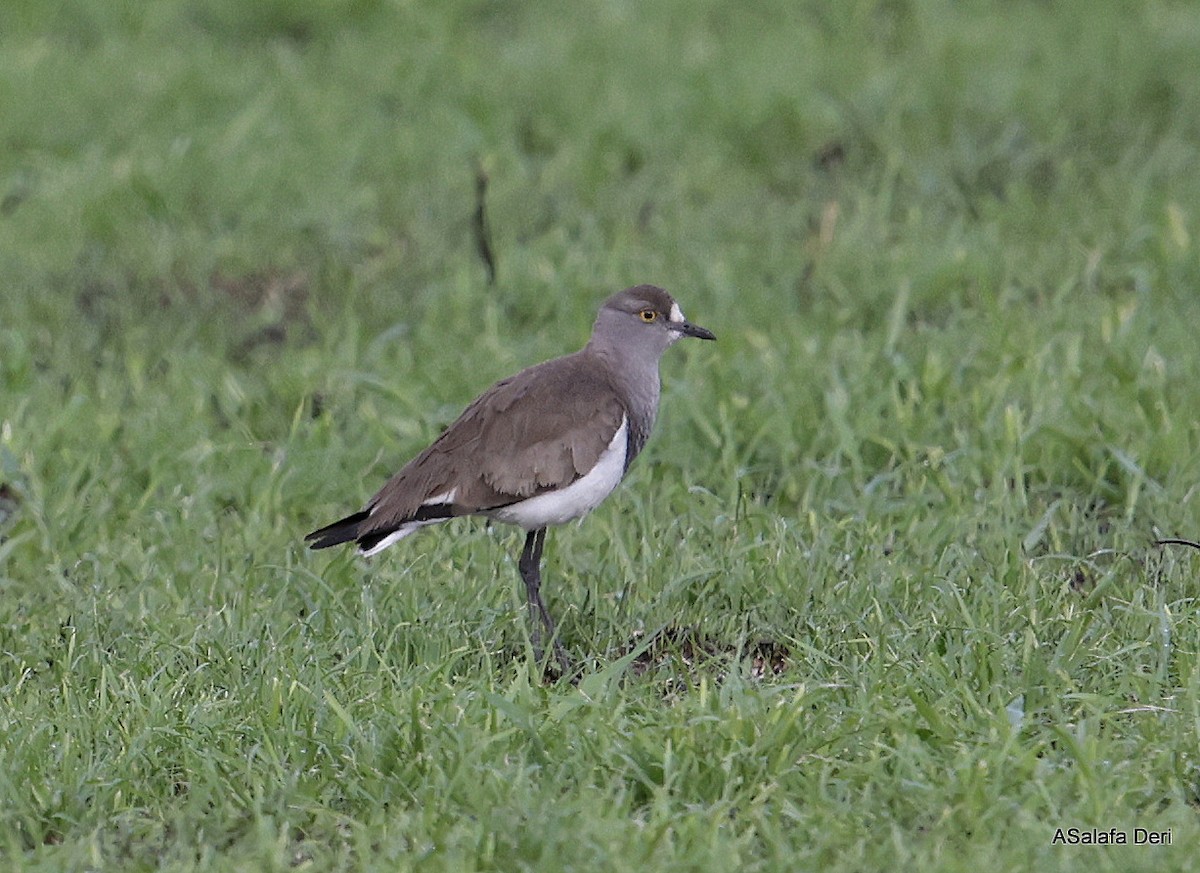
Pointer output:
x,y
647,315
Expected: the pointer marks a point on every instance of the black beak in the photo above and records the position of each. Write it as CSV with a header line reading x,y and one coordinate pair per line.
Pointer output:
x,y
689,329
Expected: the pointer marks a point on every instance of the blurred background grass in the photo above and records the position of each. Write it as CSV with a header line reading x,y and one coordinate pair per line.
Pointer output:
x,y
950,253
804,174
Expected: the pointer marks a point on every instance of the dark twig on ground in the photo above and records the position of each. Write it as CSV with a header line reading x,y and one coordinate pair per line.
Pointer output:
x,y
482,238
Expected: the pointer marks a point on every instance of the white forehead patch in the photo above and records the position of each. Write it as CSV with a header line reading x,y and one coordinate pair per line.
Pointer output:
x,y
676,312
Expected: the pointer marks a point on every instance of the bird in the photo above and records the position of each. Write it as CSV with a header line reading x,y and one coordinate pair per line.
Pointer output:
x,y
540,448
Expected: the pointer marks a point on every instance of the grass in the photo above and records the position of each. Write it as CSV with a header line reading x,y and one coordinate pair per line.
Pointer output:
x,y
950,253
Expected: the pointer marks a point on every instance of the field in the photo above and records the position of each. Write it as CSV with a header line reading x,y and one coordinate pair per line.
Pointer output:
x,y
882,592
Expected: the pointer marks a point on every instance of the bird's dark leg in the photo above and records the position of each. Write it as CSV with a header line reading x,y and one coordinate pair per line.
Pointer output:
x,y
530,566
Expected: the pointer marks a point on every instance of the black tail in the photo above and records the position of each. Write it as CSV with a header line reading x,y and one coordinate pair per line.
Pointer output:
x,y
343,531
352,529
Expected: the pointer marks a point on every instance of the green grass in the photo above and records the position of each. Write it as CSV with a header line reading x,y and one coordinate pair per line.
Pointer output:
x,y
950,251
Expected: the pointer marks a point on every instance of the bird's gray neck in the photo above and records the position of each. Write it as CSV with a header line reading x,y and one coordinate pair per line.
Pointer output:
x,y
633,374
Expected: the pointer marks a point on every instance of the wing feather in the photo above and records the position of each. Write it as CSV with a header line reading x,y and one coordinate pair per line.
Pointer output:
x,y
534,432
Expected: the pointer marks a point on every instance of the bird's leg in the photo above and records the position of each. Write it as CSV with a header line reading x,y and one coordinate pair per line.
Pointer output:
x,y
531,575
530,566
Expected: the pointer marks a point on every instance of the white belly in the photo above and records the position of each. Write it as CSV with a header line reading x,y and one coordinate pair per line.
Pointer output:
x,y
577,499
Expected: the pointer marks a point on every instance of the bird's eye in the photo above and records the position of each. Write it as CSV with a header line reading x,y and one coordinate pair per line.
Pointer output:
x,y
647,315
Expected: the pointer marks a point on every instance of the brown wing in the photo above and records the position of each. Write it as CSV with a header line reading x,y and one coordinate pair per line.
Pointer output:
x,y
533,432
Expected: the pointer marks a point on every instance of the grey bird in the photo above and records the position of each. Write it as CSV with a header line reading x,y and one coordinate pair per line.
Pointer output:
x,y
540,448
